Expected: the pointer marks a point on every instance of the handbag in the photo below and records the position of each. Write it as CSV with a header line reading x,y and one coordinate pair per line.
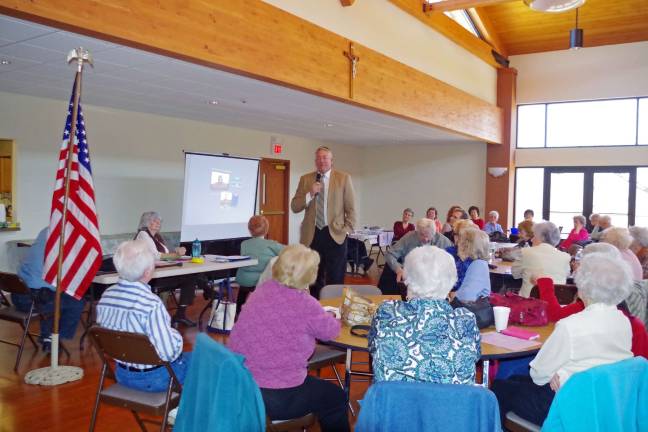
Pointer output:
x,y
481,308
524,311
221,319
356,310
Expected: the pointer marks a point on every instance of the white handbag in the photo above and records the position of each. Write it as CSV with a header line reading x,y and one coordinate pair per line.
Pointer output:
x,y
222,316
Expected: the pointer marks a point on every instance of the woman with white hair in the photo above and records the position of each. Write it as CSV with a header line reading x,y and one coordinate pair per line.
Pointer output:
x,y
148,230
577,234
277,331
542,259
423,338
621,239
472,249
492,226
598,335
639,247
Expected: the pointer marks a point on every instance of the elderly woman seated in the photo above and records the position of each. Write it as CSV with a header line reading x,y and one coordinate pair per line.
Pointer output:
x,y
598,335
525,233
256,247
404,226
578,234
621,239
639,247
423,338
542,259
491,227
276,332
472,249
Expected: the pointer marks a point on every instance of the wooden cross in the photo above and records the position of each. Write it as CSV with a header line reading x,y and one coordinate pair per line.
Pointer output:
x,y
354,59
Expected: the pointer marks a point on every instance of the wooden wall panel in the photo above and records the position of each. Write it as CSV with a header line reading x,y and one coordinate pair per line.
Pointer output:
x,y
259,40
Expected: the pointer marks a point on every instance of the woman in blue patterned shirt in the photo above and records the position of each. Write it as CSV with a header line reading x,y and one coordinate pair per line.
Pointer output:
x,y
423,338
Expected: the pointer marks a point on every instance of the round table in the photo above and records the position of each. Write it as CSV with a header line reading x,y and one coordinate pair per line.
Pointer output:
x,y
351,343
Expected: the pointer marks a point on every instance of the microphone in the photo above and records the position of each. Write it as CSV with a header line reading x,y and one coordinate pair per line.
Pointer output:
x,y
318,178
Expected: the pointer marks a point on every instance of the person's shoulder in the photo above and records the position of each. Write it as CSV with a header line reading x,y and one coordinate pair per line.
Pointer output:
x,y
340,174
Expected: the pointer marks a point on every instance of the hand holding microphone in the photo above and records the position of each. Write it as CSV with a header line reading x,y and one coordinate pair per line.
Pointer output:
x,y
317,186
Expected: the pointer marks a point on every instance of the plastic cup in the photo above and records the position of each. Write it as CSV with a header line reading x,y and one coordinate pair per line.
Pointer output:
x,y
501,317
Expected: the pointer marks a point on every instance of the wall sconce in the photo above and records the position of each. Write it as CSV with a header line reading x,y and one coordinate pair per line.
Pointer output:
x,y
497,171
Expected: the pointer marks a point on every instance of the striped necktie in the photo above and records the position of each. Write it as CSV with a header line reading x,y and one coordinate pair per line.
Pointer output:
x,y
319,216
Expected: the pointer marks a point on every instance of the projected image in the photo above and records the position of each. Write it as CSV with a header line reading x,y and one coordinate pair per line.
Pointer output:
x,y
219,180
228,199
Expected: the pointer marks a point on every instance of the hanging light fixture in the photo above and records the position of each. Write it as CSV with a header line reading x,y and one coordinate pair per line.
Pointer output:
x,y
554,5
576,36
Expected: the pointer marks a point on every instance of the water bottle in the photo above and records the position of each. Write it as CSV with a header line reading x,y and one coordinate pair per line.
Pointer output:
x,y
196,249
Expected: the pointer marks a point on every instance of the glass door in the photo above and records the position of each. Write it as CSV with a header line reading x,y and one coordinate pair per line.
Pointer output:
x,y
566,193
611,196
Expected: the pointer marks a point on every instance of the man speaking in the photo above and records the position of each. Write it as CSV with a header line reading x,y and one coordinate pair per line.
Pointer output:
x,y
328,198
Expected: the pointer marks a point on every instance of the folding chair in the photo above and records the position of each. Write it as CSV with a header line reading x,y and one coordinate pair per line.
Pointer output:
x,y
11,283
132,348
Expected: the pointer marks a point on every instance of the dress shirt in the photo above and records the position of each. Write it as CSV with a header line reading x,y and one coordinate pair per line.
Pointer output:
x,y
633,262
132,307
598,335
144,235
410,241
31,267
539,261
424,340
490,228
326,177
476,282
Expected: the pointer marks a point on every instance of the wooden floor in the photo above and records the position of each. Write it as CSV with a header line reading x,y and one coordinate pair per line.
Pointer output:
x,y
68,407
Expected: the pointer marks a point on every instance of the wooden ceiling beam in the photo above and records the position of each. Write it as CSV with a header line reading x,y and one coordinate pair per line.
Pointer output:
x,y
450,5
258,40
487,30
346,3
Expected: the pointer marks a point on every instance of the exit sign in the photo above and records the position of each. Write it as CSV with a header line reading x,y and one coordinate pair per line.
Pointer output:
x,y
277,148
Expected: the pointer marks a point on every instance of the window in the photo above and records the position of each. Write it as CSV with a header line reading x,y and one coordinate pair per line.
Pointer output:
x,y
613,122
565,198
641,208
528,191
461,17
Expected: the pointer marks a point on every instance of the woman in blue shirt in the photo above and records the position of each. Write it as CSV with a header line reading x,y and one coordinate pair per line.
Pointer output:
x,y
423,338
472,249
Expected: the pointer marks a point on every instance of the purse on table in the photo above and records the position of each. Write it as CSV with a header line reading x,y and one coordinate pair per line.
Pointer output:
x,y
481,308
524,311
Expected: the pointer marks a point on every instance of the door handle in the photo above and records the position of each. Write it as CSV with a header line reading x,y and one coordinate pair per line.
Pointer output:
x,y
263,194
272,213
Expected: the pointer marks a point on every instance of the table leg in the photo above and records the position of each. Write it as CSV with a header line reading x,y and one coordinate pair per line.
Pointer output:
x,y
347,374
485,378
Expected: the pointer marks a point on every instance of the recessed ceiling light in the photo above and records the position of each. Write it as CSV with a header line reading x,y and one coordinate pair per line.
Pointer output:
x,y
329,124
213,102
5,62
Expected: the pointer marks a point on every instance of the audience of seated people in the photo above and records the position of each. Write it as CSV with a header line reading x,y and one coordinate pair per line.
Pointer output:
x,y
43,294
277,331
542,259
262,250
404,225
473,212
599,334
130,306
423,338
639,247
433,214
578,235
621,239
492,226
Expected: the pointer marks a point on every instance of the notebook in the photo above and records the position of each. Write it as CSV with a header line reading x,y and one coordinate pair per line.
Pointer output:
x,y
508,342
520,333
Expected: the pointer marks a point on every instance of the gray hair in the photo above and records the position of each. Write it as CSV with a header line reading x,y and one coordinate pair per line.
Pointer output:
x,y
640,235
594,215
473,243
605,218
494,213
602,279
132,259
602,249
409,210
146,219
581,219
617,236
547,232
430,273
425,224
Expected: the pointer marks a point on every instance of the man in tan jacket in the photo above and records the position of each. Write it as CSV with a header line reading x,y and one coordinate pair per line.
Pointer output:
x,y
328,198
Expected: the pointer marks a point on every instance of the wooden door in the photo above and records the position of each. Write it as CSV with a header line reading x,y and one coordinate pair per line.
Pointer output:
x,y
274,183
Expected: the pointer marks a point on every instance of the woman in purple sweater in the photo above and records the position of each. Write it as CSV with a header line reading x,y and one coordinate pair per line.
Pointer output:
x,y
276,332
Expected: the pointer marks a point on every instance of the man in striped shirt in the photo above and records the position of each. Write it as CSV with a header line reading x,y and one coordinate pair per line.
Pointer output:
x,y
131,306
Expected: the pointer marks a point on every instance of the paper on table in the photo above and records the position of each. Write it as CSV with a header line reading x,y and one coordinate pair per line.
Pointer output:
x,y
507,342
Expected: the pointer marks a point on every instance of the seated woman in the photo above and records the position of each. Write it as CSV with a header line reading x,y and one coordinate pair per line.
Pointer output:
x,y
639,247
473,248
277,331
423,338
492,226
404,226
149,232
598,335
577,234
473,212
459,226
450,218
542,259
621,239
256,247
433,214
525,233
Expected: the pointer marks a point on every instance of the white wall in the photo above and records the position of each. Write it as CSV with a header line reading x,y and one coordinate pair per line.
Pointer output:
x,y
420,176
590,73
385,28
137,161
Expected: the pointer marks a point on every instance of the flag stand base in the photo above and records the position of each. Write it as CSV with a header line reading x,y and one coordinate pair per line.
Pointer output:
x,y
51,376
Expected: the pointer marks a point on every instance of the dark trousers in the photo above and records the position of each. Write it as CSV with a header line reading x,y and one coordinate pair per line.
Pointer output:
x,y
332,264
241,297
321,397
525,398
71,309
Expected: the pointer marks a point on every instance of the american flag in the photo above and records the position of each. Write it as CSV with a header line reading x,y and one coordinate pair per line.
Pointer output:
x,y
81,248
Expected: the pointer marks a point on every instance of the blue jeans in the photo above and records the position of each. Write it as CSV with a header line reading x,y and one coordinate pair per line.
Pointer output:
x,y
156,380
71,309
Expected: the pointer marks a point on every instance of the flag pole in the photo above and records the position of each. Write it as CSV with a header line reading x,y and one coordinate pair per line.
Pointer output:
x,y
56,374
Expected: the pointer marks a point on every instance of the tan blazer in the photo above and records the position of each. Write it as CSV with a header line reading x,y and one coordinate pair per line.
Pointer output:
x,y
340,212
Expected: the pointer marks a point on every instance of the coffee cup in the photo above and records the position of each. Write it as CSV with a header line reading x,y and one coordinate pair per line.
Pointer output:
x,y
501,317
